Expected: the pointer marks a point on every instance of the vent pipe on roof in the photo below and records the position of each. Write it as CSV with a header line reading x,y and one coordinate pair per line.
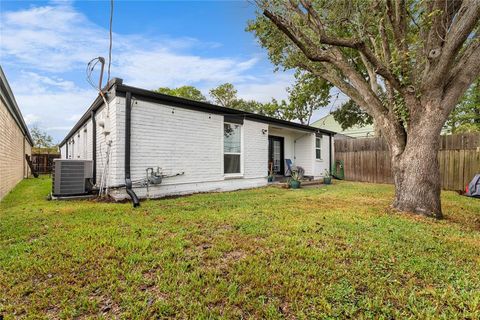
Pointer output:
x,y
128,126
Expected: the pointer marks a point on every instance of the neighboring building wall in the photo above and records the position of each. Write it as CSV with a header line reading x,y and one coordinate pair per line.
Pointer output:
x,y
13,147
185,142
328,122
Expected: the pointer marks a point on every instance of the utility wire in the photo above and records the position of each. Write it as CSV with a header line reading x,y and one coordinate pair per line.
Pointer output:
x,y
89,71
111,41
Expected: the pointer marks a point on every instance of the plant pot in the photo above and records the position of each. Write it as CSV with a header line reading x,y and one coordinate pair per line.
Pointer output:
x,y
295,184
327,180
270,178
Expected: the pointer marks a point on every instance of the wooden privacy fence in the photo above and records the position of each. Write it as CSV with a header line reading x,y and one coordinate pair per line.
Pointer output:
x,y
368,160
43,163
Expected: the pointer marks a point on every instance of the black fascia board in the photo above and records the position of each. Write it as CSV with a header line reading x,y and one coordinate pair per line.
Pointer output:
x,y
151,96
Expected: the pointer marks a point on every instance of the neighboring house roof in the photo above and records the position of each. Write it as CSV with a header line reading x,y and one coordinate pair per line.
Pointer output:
x,y
8,99
329,123
119,89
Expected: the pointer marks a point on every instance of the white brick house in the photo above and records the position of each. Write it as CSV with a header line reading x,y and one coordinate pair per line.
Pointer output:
x,y
198,146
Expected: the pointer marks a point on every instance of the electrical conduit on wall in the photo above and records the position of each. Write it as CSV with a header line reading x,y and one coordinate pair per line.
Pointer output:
x,y
128,126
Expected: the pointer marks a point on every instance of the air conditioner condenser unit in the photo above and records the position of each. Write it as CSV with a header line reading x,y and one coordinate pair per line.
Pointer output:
x,y
71,177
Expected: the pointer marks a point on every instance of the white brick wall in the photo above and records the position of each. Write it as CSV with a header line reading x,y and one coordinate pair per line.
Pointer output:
x,y
324,163
177,140
181,140
63,152
305,152
80,144
255,149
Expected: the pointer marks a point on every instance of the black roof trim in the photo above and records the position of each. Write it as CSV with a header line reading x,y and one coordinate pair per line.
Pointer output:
x,y
97,103
11,104
210,108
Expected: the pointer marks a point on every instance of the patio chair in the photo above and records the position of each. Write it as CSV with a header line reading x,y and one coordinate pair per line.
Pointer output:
x,y
289,163
291,167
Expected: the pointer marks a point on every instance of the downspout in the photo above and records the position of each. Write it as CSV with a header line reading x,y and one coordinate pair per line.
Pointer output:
x,y
66,150
330,151
94,146
128,124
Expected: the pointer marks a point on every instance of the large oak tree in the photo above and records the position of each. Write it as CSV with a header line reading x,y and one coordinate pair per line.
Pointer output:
x,y
407,63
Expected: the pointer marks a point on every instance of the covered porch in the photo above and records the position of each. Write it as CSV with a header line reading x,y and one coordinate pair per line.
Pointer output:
x,y
291,146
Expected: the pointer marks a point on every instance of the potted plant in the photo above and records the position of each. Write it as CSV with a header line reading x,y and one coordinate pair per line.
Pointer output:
x,y
271,173
327,178
271,176
294,181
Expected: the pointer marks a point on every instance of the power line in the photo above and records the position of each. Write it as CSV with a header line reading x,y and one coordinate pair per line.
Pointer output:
x,y
111,42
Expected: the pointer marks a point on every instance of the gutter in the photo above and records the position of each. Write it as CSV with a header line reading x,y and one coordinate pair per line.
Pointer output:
x,y
128,127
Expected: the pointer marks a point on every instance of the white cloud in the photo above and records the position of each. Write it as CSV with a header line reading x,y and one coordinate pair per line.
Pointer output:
x,y
56,38
264,89
31,119
165,68
47,44
51,103
52,38
74,117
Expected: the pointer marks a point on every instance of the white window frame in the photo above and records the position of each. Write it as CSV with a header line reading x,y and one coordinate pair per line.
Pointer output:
x,y
239,174
318,148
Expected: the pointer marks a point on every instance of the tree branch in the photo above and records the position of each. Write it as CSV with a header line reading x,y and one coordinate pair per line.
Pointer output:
x,y
391,128
466,71
462,24
285,28
371,74
352,43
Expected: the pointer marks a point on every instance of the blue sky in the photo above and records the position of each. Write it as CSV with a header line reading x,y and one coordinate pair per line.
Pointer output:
x,y
45,47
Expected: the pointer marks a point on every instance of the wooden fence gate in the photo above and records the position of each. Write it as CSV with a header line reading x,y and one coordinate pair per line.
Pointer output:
x,y
368,159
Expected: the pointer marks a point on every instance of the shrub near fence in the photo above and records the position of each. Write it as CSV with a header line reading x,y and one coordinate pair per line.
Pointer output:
x,y
368,159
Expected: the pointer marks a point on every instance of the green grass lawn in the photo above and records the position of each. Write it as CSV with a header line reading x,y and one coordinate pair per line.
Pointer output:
x,y
326,252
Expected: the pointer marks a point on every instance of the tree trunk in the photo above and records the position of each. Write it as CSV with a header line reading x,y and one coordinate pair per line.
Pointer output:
x,y
416,174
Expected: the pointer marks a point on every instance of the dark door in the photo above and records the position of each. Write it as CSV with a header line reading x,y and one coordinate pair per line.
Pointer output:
x,y
275,154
